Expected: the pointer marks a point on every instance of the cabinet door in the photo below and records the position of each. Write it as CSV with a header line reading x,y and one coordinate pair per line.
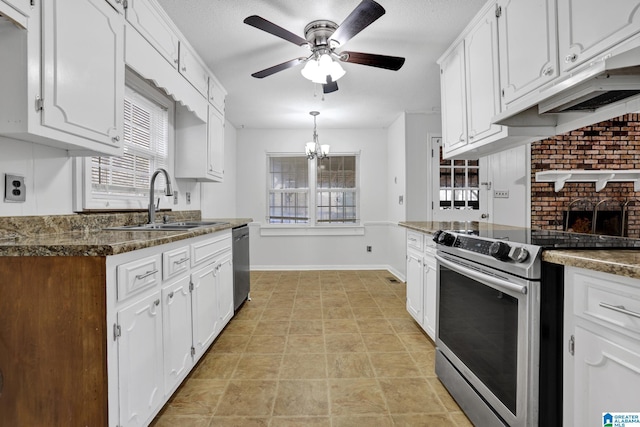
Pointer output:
x,y
83,69
414,285
589,27
193,70
483,83
215,136
528,46
430,295
205,308
216,94
454,111
141,388
224,275
176,329
145,17
607,376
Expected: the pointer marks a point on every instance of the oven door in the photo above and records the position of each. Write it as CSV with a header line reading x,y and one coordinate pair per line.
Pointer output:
x,y
486,322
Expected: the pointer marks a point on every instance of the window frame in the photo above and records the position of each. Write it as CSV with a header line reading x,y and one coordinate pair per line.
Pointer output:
x,y
84,198
313,226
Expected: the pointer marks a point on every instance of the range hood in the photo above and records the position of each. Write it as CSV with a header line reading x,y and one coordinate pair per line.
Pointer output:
x,y
606,87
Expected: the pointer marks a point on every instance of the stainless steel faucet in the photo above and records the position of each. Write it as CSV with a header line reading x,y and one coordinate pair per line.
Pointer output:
x,y
168,192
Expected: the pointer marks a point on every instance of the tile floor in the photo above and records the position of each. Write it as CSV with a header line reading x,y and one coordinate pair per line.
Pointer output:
x,y
317,348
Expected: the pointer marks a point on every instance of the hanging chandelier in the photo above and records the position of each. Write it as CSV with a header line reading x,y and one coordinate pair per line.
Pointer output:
x,y
314,149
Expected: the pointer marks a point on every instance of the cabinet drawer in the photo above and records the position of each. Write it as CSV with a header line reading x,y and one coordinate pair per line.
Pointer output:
x,y
415,240
206,250
175,262
137,276
610,301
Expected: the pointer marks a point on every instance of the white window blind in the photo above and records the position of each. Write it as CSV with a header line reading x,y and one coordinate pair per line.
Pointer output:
x,y
336,193
145,150
288,190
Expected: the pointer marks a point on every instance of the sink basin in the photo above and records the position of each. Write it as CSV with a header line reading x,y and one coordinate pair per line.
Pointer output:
x,y
170,226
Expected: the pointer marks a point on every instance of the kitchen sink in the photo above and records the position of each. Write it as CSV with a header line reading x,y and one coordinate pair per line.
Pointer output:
x,y
169,226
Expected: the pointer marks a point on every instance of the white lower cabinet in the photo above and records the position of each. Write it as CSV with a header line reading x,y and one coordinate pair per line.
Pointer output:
x,y
162,327
421,281
430,287
176,328
140,358
602,360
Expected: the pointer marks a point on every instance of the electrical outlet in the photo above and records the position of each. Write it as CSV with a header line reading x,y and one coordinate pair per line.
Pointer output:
x,y
369,248
175,197
14,189
501,194
188,195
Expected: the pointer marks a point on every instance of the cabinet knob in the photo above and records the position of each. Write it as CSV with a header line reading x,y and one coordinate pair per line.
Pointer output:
x,y
547,71
571,58
156,302
175,60
184,68
116,138
171,294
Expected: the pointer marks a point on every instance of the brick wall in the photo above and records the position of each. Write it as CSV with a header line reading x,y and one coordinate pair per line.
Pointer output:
x,y
613,144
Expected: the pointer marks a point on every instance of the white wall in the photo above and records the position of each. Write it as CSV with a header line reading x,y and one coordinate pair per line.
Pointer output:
x,y
315,251
47,176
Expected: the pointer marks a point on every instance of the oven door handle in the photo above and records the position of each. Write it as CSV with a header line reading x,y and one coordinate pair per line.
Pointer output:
x,y
498,283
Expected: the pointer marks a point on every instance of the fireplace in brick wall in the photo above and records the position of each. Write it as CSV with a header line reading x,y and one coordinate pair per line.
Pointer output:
x,y
615,210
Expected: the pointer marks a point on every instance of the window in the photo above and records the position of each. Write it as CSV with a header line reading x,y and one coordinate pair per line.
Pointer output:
x,y
312,192
288,190
123,182
459,184
336,190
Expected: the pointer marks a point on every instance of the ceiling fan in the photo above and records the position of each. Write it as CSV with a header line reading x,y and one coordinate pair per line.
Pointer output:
x,y
323,37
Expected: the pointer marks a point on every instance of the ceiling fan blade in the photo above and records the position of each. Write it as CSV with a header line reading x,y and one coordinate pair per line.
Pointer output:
x,y
276,68
329,86
359,19
271,28
381,61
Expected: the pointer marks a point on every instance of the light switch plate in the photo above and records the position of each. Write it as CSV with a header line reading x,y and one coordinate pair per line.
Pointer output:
x,y
14,189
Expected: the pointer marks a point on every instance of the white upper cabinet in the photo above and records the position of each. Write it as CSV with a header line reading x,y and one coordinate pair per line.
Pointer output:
x,y
193,69
63,85
16,10
217,94
149,19
588,28
83,70
483,84
452,88
528,46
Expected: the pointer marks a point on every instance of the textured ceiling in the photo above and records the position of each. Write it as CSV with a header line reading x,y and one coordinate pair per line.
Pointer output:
x,y
419,30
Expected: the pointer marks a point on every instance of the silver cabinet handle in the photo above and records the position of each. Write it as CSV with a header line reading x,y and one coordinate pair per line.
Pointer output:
x,y
620,309
547,71
171,294
181,261
156,302
116,138
145,275
571,58
175,60
184,68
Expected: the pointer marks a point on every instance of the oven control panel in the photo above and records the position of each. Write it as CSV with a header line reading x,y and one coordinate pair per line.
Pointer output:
x,y
497,249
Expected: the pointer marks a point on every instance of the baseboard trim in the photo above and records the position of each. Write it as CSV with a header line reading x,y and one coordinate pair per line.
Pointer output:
x,y
328,268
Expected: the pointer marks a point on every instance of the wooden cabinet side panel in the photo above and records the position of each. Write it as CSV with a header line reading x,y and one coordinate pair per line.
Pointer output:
x,y
53,341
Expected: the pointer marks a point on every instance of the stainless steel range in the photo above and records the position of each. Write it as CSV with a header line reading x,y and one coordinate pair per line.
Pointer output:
x,y
499,328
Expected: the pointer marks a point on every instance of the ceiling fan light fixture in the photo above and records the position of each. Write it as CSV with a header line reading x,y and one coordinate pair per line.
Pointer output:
x,y
317,70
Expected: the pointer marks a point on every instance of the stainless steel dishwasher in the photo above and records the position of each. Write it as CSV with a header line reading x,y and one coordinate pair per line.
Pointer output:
x,y
241,270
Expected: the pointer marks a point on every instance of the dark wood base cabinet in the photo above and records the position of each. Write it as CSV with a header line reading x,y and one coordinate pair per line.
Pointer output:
x,y
53,338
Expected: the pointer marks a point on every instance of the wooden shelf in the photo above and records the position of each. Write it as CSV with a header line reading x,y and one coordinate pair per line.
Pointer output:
x,y
600,177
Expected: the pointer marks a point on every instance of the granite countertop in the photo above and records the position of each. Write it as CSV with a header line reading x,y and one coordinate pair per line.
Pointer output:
x,y
622,262
84,235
